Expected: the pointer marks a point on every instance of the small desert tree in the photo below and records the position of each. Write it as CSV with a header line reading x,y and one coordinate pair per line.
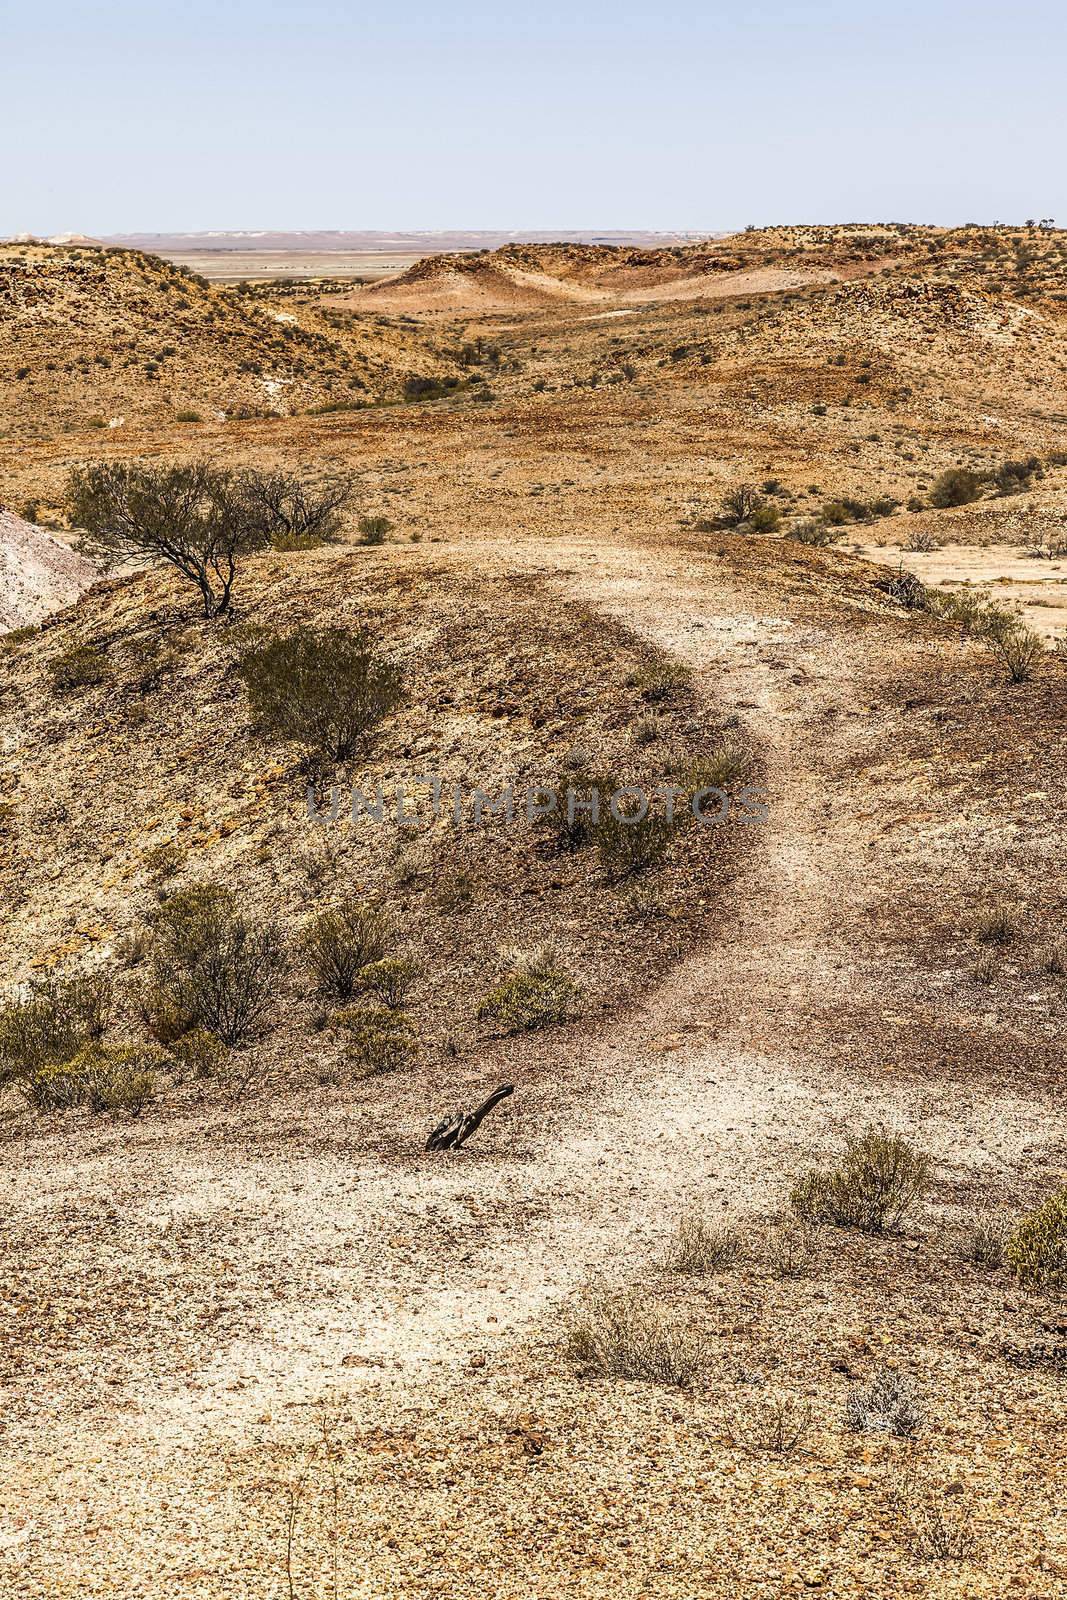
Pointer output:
x,y
296,514
739,504
197,518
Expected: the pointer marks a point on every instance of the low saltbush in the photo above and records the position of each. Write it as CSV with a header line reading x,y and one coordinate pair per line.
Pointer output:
x,y
877,1182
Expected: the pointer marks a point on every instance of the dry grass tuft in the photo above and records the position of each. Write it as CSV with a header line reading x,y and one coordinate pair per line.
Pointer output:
x,y
619,1334
700,1246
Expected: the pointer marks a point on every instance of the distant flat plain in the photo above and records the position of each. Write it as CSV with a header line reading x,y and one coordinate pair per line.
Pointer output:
x,y
239,266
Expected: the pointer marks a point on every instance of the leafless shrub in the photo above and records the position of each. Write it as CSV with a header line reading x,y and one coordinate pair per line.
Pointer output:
x,y
984,1241
791,1247
936,1526
295,513
887,1404
768,1423
341,941
620,1334
921,543
738,505
315,1496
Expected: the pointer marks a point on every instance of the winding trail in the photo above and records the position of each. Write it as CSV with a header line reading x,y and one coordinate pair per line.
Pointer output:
x,y
714,1088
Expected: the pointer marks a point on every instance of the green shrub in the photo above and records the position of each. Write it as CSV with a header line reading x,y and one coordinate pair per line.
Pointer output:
x,y
957,486
1020,650
571,821
78,668
199,1054
976,614
162,861
389,979
100,1077
340,942
879,1179
212,967
536,993
817,534
764,519
54,1019
418,388
1037,1250
1011,476
377,1038
322,687
619,1334
663,681
725,767
996,925
629,842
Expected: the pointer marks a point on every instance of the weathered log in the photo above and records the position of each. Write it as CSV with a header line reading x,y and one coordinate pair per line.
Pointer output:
x,y
456,1129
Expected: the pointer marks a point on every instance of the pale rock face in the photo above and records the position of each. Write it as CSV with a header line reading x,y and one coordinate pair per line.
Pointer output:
x,y
39,574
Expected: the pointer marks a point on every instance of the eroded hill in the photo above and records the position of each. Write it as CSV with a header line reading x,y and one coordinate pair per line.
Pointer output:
x,y
112,339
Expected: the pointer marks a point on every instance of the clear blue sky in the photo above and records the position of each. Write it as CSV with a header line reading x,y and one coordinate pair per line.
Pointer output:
x,y
127,114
